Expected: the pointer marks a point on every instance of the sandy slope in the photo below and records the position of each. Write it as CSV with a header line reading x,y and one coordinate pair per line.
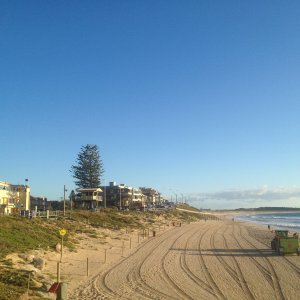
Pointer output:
x,y
205,260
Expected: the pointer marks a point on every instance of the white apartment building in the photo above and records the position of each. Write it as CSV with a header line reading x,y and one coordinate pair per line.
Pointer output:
x,y
14,197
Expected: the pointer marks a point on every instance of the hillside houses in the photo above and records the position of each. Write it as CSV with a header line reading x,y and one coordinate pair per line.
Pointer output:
x,y
120,196
15,198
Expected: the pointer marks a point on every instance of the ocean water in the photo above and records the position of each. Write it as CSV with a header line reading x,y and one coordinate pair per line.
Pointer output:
x,y
283,221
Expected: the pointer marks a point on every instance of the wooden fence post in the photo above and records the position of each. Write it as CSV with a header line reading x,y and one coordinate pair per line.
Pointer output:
x,y
87,267
28,286
58,271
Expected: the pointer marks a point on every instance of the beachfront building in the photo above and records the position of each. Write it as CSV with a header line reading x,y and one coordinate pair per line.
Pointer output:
x,y
88,198
14,197
122,196
152,196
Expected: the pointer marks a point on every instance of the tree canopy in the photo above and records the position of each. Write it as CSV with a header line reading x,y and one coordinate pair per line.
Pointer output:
x,y
89,168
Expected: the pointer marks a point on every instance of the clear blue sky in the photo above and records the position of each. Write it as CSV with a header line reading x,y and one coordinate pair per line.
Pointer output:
x,y
188,97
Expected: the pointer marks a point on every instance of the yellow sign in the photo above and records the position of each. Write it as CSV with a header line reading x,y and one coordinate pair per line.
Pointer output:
x,y
62,232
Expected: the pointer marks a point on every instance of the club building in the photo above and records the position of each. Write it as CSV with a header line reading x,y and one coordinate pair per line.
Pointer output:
x,y
14,197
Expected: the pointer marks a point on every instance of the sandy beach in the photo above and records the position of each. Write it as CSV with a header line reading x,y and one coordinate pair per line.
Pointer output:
x,y
202,260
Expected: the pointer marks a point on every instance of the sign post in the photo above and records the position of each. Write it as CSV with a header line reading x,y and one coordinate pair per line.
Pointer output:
x,y
62,233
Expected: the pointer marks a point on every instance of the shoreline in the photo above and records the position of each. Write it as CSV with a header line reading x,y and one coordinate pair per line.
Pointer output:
x,y
256,212
269,222
235,215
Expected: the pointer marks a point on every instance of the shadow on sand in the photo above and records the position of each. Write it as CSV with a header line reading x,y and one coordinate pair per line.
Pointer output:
x,y
228,252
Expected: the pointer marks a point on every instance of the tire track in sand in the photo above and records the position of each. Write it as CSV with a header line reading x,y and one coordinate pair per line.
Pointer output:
x,y
136,275
229,269
183,263
235,272
277,288
134,279
293,266
262,268
218,293
99,284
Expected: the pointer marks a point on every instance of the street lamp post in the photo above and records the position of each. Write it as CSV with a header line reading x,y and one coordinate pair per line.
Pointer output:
x,y
174,192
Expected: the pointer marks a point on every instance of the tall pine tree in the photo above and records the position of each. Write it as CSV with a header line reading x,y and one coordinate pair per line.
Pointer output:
x,y
89,168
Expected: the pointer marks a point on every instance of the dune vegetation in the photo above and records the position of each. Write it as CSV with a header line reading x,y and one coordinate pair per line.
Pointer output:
x,y
21,234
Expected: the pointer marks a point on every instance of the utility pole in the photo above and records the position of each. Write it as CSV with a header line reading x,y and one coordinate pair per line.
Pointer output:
x,y
120,199
65,190
104,194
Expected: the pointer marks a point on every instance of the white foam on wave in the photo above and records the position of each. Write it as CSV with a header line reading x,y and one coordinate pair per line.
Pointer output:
x,y
283,220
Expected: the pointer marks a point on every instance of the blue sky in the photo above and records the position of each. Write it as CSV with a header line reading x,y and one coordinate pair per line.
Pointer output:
x,y
189,97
